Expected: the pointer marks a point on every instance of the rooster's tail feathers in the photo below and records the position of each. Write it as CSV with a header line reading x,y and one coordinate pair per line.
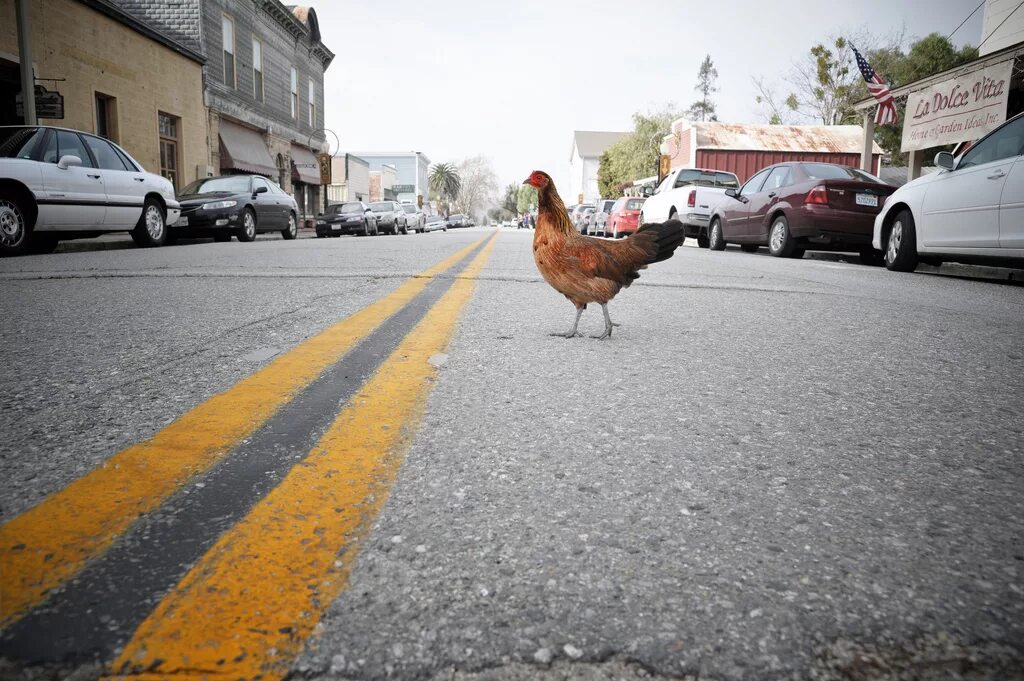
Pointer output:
x,y
667,237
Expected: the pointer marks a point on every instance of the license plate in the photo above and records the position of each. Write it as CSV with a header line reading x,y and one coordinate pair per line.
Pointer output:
x,y
867,200
181,222
336,226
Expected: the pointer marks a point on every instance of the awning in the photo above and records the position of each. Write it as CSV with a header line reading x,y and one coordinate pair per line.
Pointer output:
x,y
244,149
305,166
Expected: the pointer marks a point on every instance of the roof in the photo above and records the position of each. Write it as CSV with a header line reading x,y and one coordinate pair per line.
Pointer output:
x,y
593,143
169,22
821,139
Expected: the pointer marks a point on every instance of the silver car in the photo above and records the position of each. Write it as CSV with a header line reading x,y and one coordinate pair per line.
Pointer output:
x,y
57,183
414,218
599,223
390,216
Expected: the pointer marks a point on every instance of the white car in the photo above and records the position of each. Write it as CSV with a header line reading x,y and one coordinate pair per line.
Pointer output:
x,y
57,183
971,211
689,195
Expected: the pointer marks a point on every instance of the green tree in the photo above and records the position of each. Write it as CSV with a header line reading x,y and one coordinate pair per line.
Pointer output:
x,y
704,109
444,180
526,199
636,155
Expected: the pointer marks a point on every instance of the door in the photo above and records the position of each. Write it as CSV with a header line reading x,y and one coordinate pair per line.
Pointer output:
x,y
267,204
74,196
1011,208
961,207
125,187
763,201
737,210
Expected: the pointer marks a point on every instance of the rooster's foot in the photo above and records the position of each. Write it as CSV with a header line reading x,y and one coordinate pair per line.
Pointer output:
x,y
568,334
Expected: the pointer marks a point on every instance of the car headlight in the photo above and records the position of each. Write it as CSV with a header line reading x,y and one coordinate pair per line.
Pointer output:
x,y
216,205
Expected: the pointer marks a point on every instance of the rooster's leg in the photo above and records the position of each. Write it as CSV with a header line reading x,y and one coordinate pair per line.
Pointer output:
x,y
573,333
608,324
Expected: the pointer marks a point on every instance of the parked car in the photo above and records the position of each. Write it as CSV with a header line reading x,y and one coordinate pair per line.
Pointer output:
x,y
414,217
586,219
235,205
457,220
436,222
351,217
576,215
970,211
600,220
58,183
624,218
688,195
390,217
792,207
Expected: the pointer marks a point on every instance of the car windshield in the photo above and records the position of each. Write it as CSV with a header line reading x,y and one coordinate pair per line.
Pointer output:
x,y
826,171
346,208
380,207
18,142
409,209
230,183
634,204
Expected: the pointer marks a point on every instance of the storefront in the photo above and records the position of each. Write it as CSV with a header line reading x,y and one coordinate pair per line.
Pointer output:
x,y
306,182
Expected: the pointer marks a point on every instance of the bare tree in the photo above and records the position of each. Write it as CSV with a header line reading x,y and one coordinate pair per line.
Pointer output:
x,y
479,186
776,109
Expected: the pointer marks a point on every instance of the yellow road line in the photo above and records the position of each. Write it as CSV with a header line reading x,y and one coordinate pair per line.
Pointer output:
x,y
45,546
244,610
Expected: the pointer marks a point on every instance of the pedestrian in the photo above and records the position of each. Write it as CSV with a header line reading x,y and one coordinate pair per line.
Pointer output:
x,y
533,221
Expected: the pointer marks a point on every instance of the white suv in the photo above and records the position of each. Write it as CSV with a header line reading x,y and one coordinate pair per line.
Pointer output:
x,y
57,183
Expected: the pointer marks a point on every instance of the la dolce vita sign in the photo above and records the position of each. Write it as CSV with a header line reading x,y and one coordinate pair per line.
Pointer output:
x,y
957,110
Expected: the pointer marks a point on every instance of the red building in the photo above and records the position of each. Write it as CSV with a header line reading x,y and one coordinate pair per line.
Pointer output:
x,y
744,149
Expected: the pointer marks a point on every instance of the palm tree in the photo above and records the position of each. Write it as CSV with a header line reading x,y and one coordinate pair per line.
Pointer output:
x,y
444,179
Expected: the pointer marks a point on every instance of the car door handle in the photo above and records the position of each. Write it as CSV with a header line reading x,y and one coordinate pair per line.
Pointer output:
x,y
139,179
771,195
998,175
95,177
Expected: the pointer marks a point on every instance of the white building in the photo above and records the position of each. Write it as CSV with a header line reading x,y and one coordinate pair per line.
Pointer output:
x,y
350,179
587,147
1002,26
412,168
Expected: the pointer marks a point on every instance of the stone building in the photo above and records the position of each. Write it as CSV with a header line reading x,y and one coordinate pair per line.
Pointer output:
x,y
263,84
151,103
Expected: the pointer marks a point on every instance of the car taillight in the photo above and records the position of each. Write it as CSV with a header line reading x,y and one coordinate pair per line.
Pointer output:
x,y
691,200
818,196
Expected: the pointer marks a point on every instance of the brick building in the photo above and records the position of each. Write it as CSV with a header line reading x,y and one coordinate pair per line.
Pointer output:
x,y
151,103
263,84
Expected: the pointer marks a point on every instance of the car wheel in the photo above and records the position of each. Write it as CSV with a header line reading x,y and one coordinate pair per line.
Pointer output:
x,y
901,249
152,227
615,230
14,226
641,221
222,238
292,230
780,242
248,231
715,241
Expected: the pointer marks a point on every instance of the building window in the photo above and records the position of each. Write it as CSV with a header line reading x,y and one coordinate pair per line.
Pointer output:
x,y
228,35
168,128
106,116
257,69
295,94
312,104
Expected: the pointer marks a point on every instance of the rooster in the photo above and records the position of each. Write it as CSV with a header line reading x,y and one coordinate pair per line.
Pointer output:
x,y
589,270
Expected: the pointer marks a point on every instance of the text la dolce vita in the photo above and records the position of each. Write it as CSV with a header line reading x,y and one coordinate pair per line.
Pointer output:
x,y
986,88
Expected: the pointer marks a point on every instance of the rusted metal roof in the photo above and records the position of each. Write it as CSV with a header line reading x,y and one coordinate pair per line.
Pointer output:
x,y
823,139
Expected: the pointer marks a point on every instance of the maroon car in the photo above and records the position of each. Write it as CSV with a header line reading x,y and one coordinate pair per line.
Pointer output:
x,y
792,207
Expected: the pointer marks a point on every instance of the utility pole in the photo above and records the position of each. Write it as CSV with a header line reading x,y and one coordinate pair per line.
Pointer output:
x,y
28,84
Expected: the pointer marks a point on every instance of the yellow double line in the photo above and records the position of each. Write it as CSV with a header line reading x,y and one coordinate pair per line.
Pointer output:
x,y
47,545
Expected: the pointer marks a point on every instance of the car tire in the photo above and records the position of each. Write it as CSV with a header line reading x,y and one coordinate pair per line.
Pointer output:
x,y
615,230
716,242
222,238
640,221
780,242
15,225
901,246
247,232
151,230
292,230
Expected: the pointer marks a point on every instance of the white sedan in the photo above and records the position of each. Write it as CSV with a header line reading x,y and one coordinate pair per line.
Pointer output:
x,y
57,183
971,211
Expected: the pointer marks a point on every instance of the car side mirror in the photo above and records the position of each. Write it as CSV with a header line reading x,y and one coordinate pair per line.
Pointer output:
x,y
260,190
944,159
732,193
648,191
68,161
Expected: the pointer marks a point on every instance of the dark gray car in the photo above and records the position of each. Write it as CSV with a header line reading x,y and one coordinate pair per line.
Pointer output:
x,y
390,217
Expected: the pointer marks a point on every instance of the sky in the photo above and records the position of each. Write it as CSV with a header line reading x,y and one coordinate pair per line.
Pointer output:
x,y
513,80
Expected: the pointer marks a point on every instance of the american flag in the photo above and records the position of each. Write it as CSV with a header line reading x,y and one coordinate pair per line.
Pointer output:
x,y
886,112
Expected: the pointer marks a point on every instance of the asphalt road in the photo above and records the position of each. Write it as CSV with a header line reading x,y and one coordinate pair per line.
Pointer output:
x,y
774,469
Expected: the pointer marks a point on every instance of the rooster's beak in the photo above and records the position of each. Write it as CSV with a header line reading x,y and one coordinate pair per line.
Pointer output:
x,y
527,181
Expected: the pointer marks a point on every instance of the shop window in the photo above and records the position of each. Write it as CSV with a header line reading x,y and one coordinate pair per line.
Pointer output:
x,y
169,128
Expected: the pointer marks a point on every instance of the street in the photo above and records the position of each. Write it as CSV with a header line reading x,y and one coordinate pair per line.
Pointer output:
x,y
365,458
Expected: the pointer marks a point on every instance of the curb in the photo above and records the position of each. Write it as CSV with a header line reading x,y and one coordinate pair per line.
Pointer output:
x,y
115,242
